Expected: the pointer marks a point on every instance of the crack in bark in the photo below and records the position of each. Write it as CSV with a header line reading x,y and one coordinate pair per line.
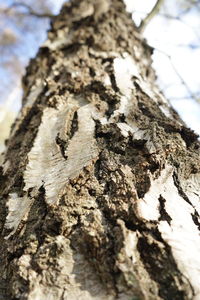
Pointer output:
x,y
128,151
180,189
158,263
105,95
164,216
62,145
21,143
195,218
189,136
74,125
114,84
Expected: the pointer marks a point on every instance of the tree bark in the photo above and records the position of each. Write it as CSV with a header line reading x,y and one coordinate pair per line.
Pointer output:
x,y
100,183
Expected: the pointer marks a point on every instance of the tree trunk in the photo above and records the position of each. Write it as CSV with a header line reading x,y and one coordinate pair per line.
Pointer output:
x,y
100,183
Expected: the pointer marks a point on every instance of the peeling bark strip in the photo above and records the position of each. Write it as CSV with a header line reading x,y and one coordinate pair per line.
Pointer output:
x,y
100,183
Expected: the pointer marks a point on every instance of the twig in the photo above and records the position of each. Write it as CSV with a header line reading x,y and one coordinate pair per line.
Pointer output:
x,y
150,15
191,94
30,10
176,18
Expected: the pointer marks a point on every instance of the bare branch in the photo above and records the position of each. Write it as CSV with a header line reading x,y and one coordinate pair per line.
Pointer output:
x,y
176,18
30,11
150,15
183,82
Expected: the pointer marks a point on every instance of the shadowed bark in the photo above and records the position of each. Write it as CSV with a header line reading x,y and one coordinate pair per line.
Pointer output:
x,y
100,180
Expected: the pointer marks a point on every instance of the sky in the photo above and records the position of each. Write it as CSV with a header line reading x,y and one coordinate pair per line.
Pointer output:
x,y
173,60
177,53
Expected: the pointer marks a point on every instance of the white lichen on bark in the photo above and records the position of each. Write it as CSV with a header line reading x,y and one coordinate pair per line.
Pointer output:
x,y
18,208
47,167
181,231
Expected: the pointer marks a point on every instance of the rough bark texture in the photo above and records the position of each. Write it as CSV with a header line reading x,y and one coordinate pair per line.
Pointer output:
x,y
100,181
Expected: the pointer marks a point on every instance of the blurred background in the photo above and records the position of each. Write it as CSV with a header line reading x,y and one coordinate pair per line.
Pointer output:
x,y
171,27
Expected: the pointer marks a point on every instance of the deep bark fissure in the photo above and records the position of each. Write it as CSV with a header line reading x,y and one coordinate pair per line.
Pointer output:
x,y
62,145
163,214
158,267
180,190
195,218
